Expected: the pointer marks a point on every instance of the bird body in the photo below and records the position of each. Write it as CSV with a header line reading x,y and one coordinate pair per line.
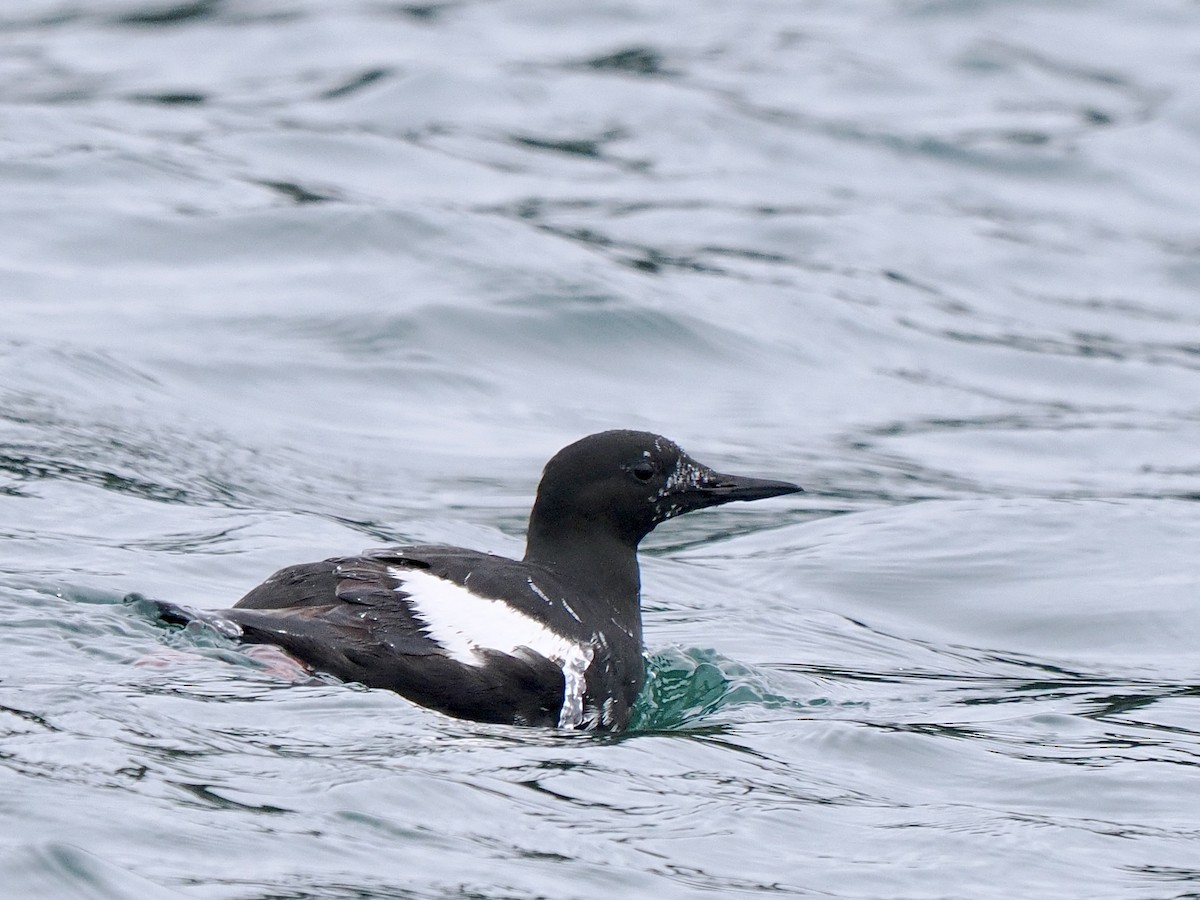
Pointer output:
x,y
554,639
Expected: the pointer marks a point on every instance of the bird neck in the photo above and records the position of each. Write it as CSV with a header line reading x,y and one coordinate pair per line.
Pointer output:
x,y
590,555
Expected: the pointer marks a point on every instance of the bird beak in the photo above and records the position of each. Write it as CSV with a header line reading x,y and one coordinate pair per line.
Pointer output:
x,y
717,488
697,487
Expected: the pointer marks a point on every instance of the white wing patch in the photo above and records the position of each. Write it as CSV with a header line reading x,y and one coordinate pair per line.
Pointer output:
x,y
463,623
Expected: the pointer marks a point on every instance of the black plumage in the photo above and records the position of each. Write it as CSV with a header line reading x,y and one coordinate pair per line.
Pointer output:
x,y
416,620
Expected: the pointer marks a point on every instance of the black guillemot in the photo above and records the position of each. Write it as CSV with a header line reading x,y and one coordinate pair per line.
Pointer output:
x,y
552,640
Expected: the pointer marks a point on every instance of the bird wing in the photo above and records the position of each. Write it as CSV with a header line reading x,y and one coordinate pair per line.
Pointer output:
x,y
362,619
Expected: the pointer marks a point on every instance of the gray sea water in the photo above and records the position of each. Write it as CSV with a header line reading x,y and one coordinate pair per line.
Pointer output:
x,y
285,279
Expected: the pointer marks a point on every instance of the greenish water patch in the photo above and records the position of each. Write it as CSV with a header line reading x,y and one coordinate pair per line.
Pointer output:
x,y
685,686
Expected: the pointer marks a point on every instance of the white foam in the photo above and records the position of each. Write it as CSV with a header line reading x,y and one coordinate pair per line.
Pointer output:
x,y
463,623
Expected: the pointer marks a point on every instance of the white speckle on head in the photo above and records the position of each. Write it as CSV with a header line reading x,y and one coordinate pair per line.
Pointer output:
x,y
463,623
686,474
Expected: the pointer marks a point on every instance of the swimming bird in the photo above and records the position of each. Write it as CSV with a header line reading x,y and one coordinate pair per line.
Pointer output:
x,y
554,639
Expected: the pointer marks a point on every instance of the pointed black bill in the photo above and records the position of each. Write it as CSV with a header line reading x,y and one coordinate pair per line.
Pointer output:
x,y
718,488
706,488
739,487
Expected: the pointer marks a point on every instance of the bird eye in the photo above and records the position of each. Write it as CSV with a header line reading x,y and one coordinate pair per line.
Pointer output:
x,y
643,471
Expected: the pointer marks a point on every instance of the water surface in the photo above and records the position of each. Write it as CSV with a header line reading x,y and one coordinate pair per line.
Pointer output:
x,y
283,280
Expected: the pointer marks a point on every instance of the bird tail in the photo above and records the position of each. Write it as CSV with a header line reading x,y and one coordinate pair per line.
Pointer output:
x,y
174,614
